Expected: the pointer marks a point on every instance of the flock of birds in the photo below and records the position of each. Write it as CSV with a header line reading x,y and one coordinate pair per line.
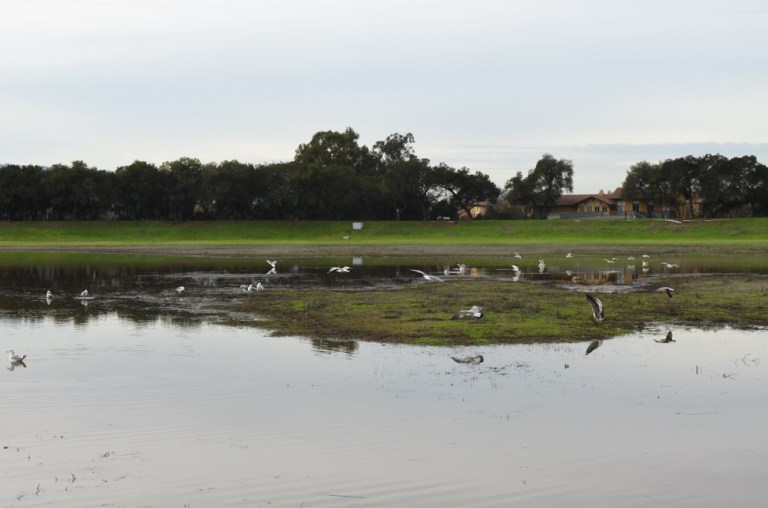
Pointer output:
x,y
475,312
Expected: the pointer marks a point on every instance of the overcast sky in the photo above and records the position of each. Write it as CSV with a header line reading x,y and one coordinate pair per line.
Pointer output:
x,y
487,84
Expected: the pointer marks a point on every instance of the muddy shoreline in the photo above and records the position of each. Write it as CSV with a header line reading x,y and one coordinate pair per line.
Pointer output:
x,y
393,250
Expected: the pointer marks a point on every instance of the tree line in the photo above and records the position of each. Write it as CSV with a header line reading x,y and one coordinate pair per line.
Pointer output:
x,y
332,176
717,185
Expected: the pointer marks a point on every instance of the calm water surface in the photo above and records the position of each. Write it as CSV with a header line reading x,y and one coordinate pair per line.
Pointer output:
x,y
120,408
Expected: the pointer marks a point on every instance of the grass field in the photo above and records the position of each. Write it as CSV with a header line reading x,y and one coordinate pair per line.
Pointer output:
x,y
565,232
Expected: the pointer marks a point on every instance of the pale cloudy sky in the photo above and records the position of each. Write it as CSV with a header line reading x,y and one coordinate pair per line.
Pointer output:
x,y
487,84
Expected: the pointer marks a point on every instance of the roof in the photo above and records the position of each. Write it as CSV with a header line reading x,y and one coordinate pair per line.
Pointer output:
x,y
575,199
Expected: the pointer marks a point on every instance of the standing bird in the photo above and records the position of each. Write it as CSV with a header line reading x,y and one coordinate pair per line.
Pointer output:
x,y
593,345
517,255
666,339
180,289
669,291
569,255
14,358
48,295
273,264
473,312
427,276
84,294
597,308
473,360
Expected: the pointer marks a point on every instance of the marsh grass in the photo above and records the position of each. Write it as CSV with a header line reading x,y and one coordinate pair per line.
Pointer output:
x,y
514,312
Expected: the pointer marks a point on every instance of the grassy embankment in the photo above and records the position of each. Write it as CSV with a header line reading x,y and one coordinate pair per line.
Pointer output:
x,y
515,312
562,232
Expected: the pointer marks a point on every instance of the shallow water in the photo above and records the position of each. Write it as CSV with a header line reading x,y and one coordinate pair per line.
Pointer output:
x,y
117,413
138,398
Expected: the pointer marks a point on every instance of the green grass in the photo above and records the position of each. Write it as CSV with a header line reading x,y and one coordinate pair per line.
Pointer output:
x,y
565,232
515,312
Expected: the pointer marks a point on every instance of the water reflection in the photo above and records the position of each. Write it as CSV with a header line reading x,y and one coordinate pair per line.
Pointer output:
x,y
348,347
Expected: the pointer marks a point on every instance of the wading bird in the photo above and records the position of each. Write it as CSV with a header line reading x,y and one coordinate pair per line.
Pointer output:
x,y
593,345
597,307
669,291
472,360
666,339
473,312
427,276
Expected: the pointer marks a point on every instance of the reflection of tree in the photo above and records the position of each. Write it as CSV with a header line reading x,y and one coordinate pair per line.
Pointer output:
x,y
334,346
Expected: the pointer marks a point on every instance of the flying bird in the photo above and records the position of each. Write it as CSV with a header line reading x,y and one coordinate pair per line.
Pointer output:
x,y
666,339
427,276
473,312
340,269
14,358
593,345
472,360
597,307
669,291
271,262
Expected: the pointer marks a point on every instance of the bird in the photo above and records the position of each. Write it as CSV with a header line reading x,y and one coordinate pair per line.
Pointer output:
x,y
666,339
427,276
48,295
257,287
473,360
668,290
517,255
516,268
593,345
271,262
14,358
542,264
670,265
180,289
340,269
84,293
474,312
609,260
569,255
597,307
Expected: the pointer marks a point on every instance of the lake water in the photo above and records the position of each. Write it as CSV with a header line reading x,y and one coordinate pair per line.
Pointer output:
x,y
122,403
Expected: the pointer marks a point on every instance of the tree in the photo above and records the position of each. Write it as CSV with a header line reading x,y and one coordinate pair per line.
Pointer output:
x,y
543,186
683,174
465,190
142,191
185,187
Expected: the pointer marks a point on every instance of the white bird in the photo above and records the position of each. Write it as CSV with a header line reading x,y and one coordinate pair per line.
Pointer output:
x,y
593,345
517,255
667,339
14,358
569,255
609,260
474,312
257,287
670,265
646,256
84,293
473,360
516,268
462,267
631,258
180,289
597,308
542,264
427,276
645,264
271,263
668,290
48,295
340,269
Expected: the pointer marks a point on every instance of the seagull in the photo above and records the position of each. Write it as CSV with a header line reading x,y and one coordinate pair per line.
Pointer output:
x,y
630,258
14,358
666,339
517,255
569,255
271,263
427,276
542,264
593,345
475,312
180,289
669,291
597,307
340,269
646,256
670,265
516,268
48,295
609,260
257,287
473,360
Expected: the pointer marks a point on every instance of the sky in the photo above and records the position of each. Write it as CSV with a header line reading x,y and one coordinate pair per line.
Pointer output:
x,y
491,85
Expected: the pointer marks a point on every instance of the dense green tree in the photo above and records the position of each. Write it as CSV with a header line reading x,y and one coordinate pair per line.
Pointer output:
x,y
185,188
141,191
543,185
465,189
